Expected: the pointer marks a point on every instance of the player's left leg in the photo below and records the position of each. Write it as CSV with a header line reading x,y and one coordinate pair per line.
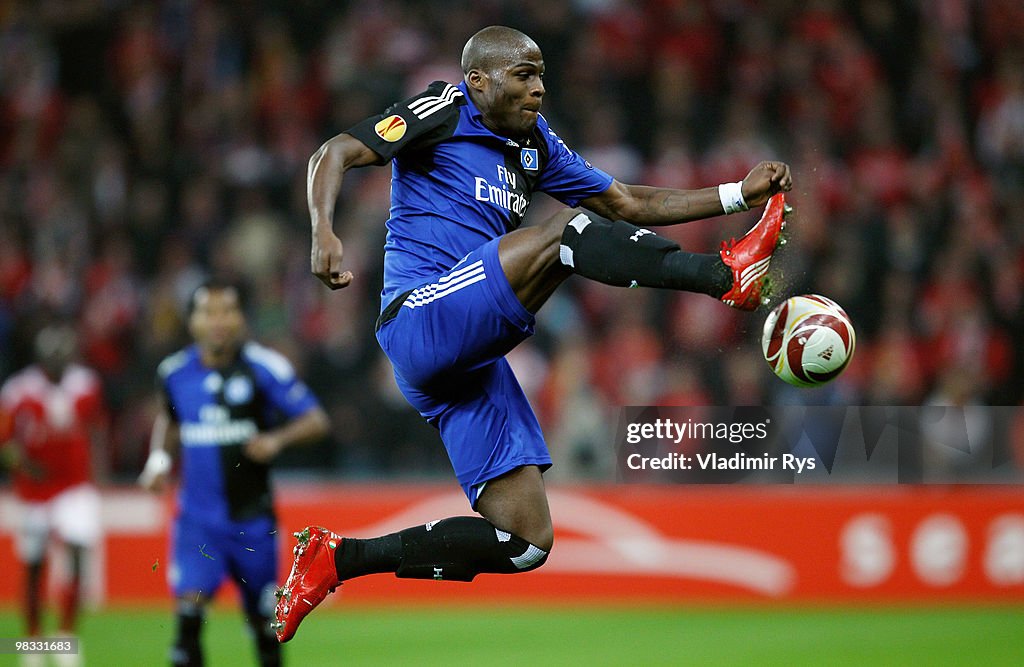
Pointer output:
x,y
454,549
497,451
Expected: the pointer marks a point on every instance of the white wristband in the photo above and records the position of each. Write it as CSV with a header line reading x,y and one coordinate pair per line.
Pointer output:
x,y
731,195
158,463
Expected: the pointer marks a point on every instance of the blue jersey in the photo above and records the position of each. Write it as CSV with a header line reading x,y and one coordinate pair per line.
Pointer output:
x,y
217,411
456,185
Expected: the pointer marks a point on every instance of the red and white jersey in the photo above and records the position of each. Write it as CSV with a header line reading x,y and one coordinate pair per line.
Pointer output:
x,y
52,423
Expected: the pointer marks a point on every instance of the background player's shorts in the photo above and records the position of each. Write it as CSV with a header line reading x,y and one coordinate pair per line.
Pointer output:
x,y
447,344
203,556
73,516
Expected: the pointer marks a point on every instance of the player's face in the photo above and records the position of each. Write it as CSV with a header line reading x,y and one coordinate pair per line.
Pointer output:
x,y
217,322
55,347
513,93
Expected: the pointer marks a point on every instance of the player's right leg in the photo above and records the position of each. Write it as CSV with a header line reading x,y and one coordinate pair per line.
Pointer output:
x,y
76,521
31,540
537,259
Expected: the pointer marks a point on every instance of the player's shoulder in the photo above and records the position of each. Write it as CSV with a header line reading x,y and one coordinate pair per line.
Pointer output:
x,y
442,91
269,360
547,133
174,363
21,384
440,97
81,378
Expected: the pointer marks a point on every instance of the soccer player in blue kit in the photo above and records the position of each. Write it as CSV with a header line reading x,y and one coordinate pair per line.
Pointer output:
x,y
229,407
462,282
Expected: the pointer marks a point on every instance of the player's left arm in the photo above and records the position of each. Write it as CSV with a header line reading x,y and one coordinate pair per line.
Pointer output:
x,y
653,206
308,427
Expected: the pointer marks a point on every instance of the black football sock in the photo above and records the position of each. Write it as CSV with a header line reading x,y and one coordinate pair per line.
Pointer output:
x,y
618,253
455,549
268,649
186,649
355,557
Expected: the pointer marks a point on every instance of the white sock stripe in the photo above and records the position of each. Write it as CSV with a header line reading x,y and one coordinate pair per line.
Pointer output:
x,y
529,557
580,222
565,255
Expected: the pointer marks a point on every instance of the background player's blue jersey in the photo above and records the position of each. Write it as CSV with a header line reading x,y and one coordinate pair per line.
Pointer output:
x,y
217,412
456,185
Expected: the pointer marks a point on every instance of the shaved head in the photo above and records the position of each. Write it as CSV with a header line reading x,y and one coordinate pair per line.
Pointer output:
x,y
504,73
494,47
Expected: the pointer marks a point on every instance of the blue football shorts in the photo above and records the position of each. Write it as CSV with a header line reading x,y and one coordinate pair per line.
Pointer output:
x,y
447,343
204,555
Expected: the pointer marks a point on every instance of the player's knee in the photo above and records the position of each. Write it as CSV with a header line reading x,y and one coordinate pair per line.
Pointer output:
x,y
543,538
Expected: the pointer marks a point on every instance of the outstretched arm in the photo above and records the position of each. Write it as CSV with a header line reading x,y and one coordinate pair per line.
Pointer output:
x,y
645,205
164,442
307,427
326,170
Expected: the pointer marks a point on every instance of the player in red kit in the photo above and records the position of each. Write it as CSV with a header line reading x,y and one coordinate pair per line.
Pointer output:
x,y
51,421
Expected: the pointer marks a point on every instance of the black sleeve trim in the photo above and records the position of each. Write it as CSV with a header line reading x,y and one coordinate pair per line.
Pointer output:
x,y
419,121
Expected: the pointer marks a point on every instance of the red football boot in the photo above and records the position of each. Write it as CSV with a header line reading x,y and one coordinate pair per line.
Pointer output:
x,y
312,578
749,257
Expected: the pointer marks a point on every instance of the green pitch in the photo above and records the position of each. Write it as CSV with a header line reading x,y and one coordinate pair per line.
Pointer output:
x,y
534,635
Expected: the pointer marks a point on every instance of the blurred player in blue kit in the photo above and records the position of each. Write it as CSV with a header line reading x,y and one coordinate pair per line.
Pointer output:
x,y
462,282
229,407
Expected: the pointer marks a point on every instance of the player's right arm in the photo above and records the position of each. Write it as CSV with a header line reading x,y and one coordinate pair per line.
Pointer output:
x,y
12,450
421,121
326,170
164,441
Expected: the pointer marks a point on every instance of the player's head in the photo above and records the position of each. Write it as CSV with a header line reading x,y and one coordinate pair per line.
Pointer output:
x,y
503,69
56,346
217,316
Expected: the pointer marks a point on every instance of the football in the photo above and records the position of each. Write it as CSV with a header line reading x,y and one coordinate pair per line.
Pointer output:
x,y
808,340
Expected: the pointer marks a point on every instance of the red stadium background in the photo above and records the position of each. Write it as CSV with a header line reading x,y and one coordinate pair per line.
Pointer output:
x,y
639,543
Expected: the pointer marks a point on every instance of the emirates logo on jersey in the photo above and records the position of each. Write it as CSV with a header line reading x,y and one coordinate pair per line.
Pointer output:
x,y
391,129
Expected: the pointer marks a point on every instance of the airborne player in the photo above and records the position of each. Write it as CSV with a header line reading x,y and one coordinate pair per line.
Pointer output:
x,y
463,280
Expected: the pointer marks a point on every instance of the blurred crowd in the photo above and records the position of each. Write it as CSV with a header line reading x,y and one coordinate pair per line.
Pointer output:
x,y
146,145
